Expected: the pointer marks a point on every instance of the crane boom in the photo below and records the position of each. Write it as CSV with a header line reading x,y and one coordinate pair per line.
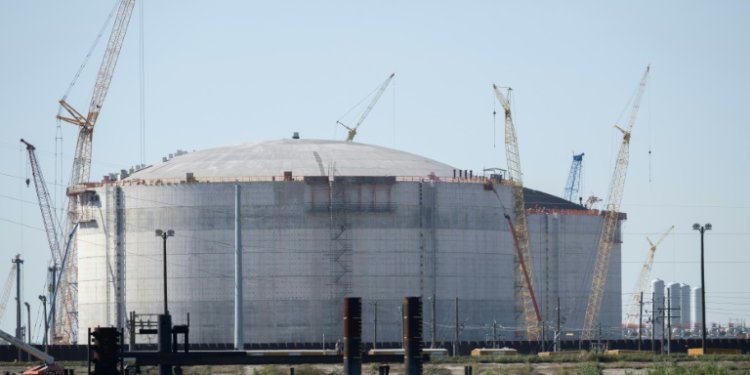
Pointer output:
x,y
574,178
521,232
7,288
45,206
642,281
81,170
611,217
378,94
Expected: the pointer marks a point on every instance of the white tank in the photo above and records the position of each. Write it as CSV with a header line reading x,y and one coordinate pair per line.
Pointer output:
x,y
684,306
322,220
673,312
657,293
696,301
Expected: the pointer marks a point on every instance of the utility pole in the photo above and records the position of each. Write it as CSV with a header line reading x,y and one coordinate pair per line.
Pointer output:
x,y
18,262
669,322
46,326
640,323
19,335
28,322
653,322
53,272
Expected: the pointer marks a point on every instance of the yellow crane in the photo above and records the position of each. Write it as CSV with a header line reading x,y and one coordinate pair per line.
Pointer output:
x,y
7,288
353,130
81,170
640,285
611,216
520,228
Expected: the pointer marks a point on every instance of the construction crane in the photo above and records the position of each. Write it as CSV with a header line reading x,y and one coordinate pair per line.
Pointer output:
x,y
640,285
574,179
611,217
7,288
363,116
521,232
81,170
45,206
51,228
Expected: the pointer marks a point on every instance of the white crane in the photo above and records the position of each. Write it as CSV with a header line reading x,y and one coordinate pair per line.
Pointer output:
x,y
520,227
607,239
363,116
81,170
640,285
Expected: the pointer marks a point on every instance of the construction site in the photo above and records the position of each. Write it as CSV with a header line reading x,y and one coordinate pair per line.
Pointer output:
x,y
261,243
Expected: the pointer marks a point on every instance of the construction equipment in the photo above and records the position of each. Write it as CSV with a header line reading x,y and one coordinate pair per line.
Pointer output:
x,y
521,261
81,170
363,116
51,228
611,218
7,288
520,225
574,179
48,368
640,285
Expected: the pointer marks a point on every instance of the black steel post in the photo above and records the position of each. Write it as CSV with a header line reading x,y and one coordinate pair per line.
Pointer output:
x,y
703,296
352,336
412,332
165,341
46,326
19,335
164,237
375,328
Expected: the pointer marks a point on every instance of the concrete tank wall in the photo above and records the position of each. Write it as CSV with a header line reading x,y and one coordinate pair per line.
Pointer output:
x,y
308,244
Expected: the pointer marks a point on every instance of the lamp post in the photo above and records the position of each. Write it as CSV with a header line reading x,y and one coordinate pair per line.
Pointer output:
x,y
164,235
702,229
46,327
28,322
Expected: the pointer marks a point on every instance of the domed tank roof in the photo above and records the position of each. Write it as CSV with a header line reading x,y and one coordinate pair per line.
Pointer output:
x,y
303,157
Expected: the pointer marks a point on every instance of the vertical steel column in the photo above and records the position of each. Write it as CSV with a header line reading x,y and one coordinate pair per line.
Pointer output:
x,y
165,341
239,337
412,318
352,336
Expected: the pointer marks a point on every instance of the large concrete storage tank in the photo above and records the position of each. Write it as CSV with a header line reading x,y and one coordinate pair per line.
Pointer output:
x,y
322,220
696,312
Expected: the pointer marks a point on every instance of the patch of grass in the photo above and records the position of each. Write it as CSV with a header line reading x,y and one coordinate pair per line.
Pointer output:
x,y
702,369
589,368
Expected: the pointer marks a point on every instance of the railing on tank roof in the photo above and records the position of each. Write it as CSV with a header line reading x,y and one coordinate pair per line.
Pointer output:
x,y
562,211
199,180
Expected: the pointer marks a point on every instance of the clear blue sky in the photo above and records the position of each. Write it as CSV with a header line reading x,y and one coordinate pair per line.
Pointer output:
x,y
220,73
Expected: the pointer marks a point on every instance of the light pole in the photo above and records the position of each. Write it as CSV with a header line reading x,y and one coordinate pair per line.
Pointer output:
x,y
702,229
28,322
46,327
164,235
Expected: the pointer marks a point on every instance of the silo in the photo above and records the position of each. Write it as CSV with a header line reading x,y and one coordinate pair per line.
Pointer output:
x,y
685,306
322,220
657,307
696,312
674,313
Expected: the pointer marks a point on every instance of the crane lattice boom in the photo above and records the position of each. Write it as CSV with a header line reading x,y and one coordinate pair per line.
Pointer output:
x,y
611,217
81,170
642,281
353,130
7,288
521,232
574,178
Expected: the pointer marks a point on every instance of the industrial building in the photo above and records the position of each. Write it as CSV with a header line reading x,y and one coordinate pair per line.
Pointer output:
x,y
322,220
